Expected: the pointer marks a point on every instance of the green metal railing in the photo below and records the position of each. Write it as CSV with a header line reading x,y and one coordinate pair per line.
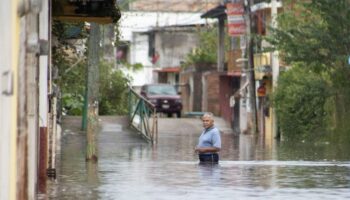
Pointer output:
x,y
143,116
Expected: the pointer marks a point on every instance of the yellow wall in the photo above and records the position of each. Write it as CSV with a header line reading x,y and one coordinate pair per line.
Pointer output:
x,y
15,29
262,59
268,120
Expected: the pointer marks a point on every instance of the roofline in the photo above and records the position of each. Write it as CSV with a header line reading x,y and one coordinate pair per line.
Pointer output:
x,y
220,10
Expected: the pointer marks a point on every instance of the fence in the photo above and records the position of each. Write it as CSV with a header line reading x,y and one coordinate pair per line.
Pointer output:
x,y
143,116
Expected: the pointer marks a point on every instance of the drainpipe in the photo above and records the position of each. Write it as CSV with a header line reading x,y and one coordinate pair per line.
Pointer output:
x,y
43,95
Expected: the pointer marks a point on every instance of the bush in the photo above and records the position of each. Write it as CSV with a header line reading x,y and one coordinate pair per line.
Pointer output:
x,y
300,101
206,51
113,91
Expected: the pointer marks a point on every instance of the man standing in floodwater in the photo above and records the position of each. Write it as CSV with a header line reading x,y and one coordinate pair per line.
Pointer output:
x,y
209,143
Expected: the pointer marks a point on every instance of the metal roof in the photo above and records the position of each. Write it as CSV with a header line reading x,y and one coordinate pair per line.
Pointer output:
x,y
217,12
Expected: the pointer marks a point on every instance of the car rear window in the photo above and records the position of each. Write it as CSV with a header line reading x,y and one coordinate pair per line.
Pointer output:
x,y
161,90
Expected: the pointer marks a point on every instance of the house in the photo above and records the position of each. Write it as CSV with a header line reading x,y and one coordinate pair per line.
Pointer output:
x,y
211,85
233,77
159,43
140,40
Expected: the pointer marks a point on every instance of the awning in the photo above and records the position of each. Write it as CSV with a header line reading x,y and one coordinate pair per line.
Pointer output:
x,y
217,12
169,70
99,11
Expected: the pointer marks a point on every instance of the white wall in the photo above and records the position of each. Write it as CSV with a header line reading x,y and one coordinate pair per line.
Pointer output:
x,y
133,25
131,22
8,102
173,46
139,54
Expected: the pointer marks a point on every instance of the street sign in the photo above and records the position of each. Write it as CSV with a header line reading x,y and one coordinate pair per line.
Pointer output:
x,y
235,20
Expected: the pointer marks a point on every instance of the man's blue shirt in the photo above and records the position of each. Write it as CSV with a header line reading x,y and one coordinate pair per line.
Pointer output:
x,y
210,138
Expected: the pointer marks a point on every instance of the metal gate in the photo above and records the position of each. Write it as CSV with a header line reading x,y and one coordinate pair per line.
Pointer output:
x,y
143,116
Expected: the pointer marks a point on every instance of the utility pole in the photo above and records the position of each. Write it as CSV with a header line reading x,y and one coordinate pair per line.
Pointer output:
x,y
275,66
92,92
252,115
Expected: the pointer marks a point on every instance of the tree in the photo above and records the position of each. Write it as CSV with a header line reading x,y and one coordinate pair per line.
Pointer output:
x,y
300,102
314,35
206,51
70,65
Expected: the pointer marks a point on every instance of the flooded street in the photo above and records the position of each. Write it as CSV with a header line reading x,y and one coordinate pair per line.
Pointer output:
x,y
130,168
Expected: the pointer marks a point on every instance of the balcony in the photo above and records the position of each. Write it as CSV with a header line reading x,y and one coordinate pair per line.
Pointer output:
x,y
99,11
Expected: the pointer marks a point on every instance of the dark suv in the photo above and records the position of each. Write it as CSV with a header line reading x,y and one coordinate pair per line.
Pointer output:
x,y
164,97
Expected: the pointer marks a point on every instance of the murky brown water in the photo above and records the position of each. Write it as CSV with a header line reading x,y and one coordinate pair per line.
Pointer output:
x,y
130,168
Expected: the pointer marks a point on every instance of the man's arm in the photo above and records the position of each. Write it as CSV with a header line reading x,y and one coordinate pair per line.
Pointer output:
x,y
206,149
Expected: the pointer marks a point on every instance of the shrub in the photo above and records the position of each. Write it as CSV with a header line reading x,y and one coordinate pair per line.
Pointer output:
x,y
300,100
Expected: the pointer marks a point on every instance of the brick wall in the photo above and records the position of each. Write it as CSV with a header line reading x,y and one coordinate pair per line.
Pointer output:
x,y
212,93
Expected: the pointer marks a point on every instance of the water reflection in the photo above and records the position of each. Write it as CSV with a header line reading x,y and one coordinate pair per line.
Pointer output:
x,y
129,168
210,174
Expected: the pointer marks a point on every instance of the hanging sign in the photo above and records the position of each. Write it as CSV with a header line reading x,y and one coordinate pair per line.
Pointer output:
x,y
235,20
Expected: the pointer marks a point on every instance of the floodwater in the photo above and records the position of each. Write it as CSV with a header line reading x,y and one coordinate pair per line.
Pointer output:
x,y
129,168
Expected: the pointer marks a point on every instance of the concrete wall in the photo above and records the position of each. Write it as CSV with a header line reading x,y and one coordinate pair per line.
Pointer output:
x,y
173,45
139,54
9,41
200,90
174,5
191,91
19,95
28,104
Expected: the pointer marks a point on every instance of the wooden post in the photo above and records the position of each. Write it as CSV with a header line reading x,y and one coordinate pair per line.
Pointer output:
x,y
92,92
252,117
221,45
85,107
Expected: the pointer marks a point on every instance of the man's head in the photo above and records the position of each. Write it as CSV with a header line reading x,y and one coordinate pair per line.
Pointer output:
x,y
208,120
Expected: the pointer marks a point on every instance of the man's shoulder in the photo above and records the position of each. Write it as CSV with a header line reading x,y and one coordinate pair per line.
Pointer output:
x,y
215,130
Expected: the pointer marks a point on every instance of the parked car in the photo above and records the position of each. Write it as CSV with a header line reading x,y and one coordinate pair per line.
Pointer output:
x,y
164,97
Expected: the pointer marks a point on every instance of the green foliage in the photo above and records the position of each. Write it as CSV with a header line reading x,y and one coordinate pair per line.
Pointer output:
x,y
63,31
132,67
300,101
71,80
72,74
113,91
73,103
315,33
206,51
